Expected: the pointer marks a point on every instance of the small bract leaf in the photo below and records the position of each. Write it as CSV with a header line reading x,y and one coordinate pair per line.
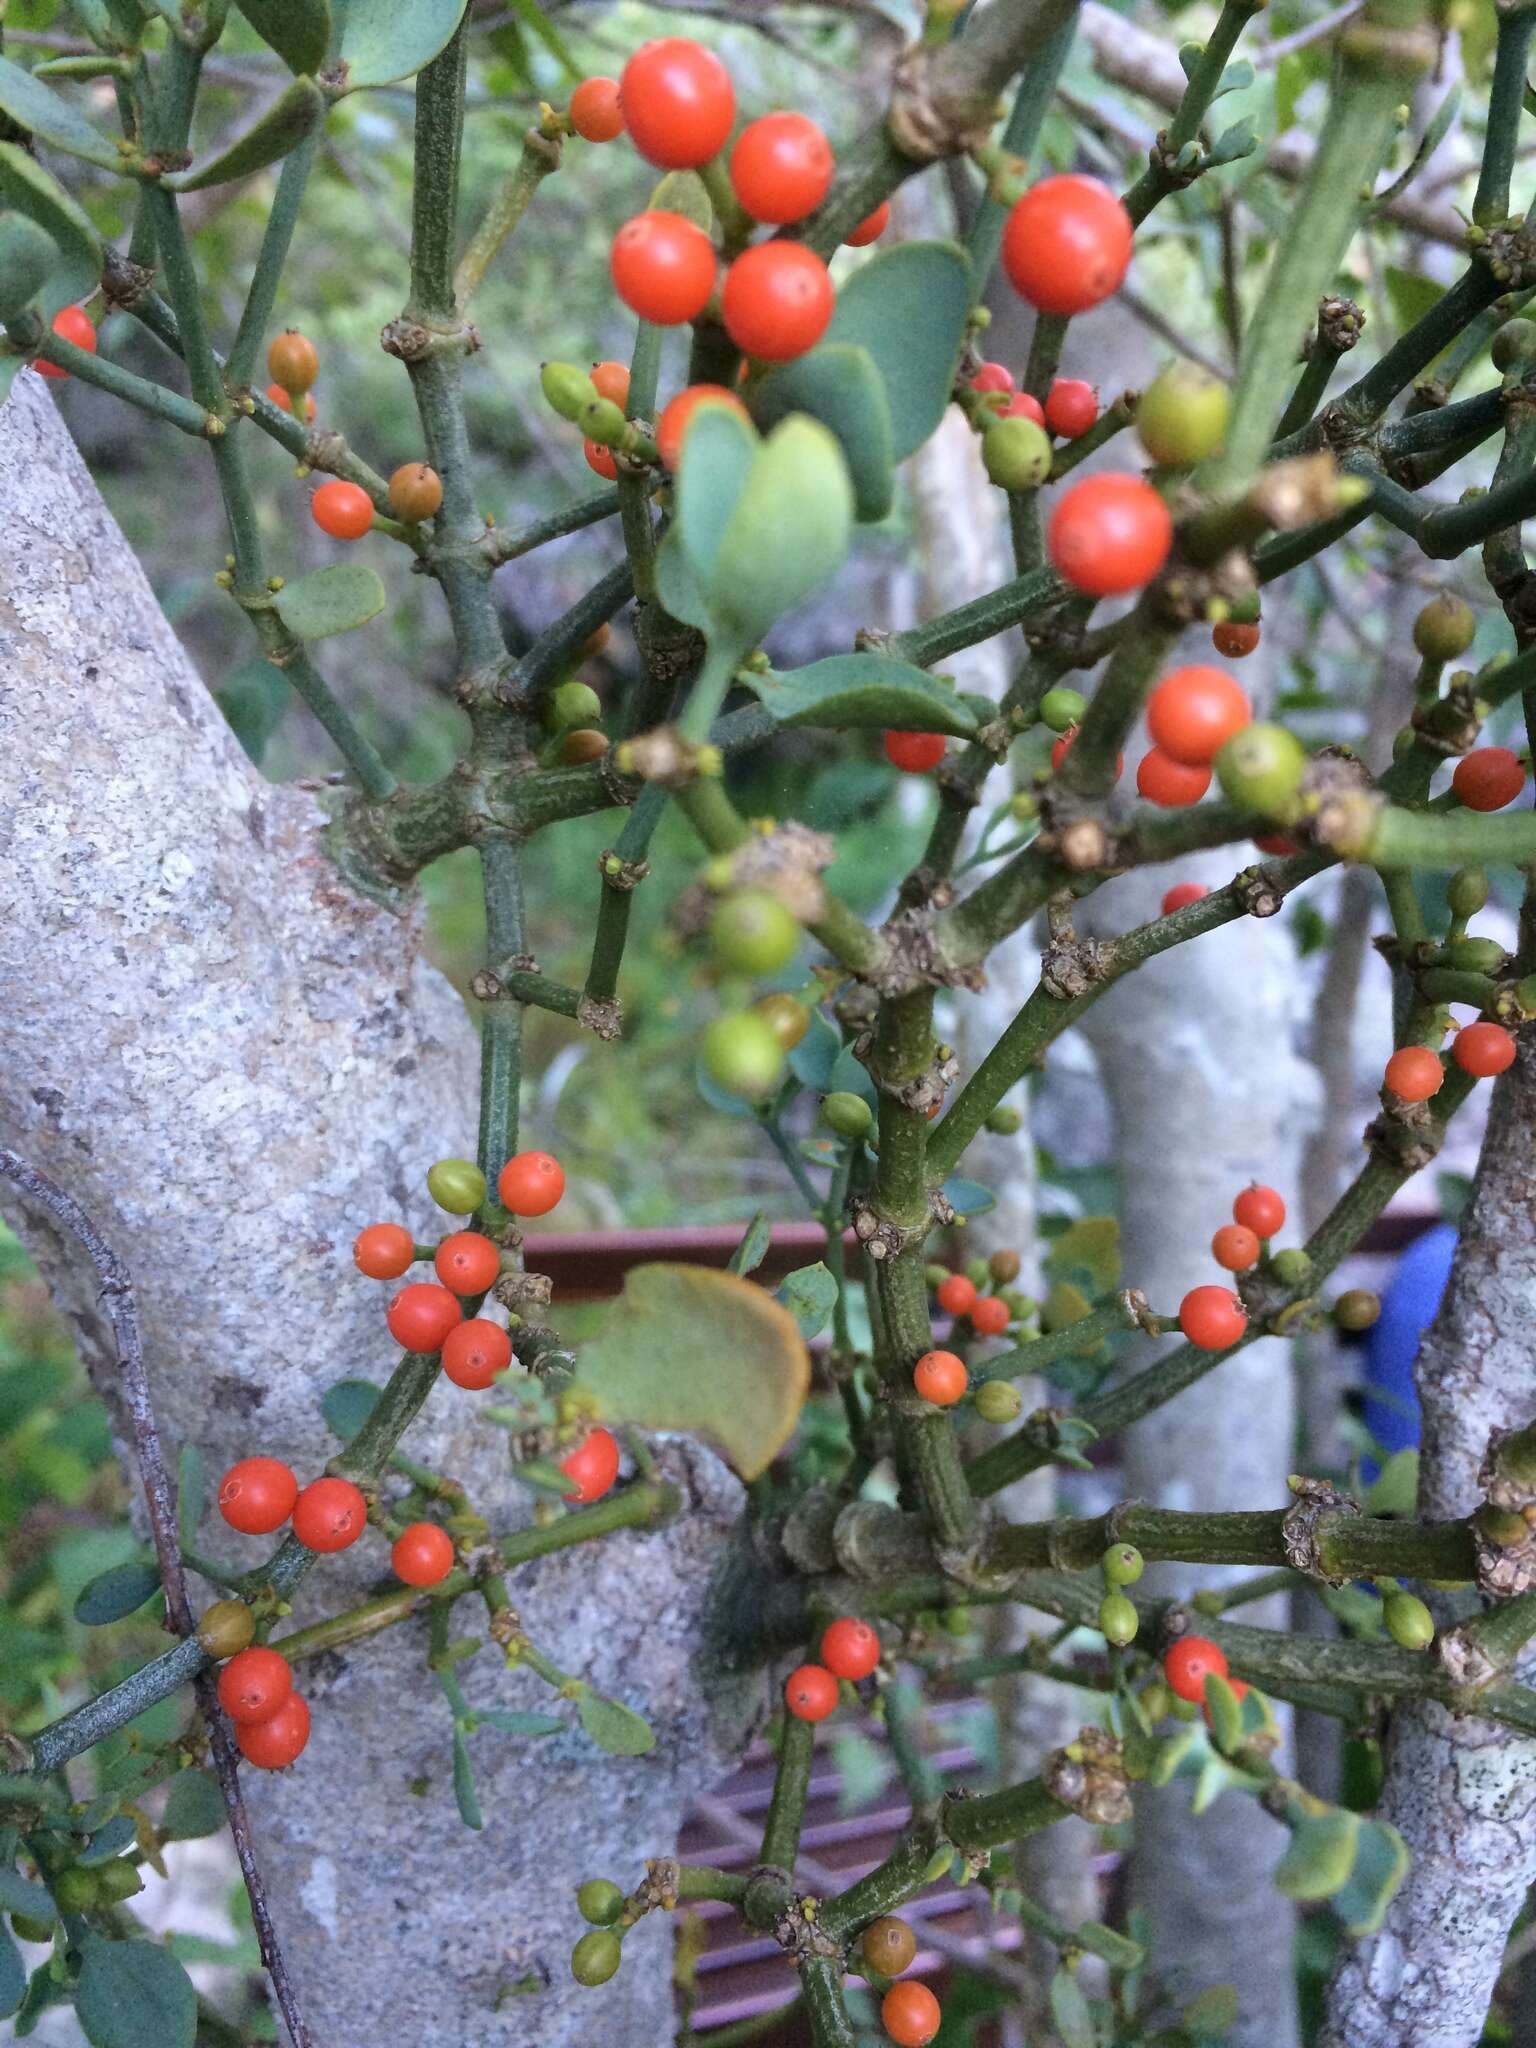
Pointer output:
x,y
299,30
43,113
840,386
509,1722
1381,1863
464,1782
753,1249
132,1993
113,1594
809,1294
908,307
968,1197
614,1728
788,533
382,40
332,600
862,692
1071,2013
278,129
688,1348
1321,1855
348,1405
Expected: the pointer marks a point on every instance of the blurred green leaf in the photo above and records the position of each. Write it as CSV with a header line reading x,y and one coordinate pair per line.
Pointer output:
x,y
348,1405
19,1895
133,1994
1321,1853
719,450
753,1249
1381,1863
43,113
863,692
1395,1489
116,1593
195,1807
788,533
464,1782
840,386
908,307
1070,2012
253,699
968,1197
509,1722
1411,293
299,30
615,1728
109,1840
1213,2012
382,40
333,600
809,1293
30,190
13,1975
27,259
279,128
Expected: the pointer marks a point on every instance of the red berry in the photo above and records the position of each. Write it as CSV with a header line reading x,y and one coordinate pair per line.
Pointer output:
x,y
1194,712
1067,244
611,380
956,1294
275,392
910,2014
850,1648
993,377
1236,1247
871,227
810,1692
1063,747
421,1315
593,1466
1212,1318
1110,534
343,510
781,167
467,1263
595,111
1162,780
1483,1049
990,1316
1022,406
777,300
70,323
1071,407
384,1251
678,103
1189,1662
257,1495
677,416
531,1183
663,267
475,1351
1181,895
941,1377
915,753
1414,1073
1489,778
254,1684
273,1744
600,458
330,1514
1234,638
1261,1208
422,1554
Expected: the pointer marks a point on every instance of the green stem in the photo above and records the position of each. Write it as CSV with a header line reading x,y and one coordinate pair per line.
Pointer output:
x,y
1157,180
1506,100
511,200
501,1029
273,255
510,543
613,906
1031,103
791,1784
28,336
981,619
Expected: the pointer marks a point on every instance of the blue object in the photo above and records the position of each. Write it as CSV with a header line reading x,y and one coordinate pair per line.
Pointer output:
x,y
1407,1309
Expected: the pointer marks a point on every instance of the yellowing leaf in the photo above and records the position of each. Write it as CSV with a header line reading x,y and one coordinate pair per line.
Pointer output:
x,y
689,1348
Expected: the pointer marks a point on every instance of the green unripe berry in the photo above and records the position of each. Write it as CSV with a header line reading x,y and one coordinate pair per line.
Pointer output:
x,y
1292,1267
1005,1120
1123,1564
1261,768
977,1273
600,1901
574,704
566,388
596,1957
226,1628
1409,1622
1182,416
1514,343
118,1880
456,1185
1357,1309
742,1055
935,1277
997,1402
75,1890
1501,1526
602,421
1525,994
25,1928
1476,956
847,1114
1062,708
1016,454
1467,892
1117,1620
1445,628
754,932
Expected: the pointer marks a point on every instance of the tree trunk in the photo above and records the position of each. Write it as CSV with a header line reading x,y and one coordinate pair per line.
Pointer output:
x,y
233,1062
1206,1097
1463,1791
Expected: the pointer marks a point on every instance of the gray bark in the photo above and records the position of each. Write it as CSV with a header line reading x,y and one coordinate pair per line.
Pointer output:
x,y
1194,1054
1463,1791
233,1063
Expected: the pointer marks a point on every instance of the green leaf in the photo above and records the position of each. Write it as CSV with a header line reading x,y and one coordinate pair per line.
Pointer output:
x,y
509,1722
788,533
753,1249
1395,1489
840,386
685,193
253,699
968,1197
1236,78
19,1895
676,585
1111,1947
118,1834
1070,2011
1321,1855
13,1975
718,453
812,1060
37,108
908,307
299,30
189,1492
27,261
1226,1713
131,1994
1411,294
43,1990
1213,2012
348,1405
279,128
112,1595
809,1294
1381,1863
195,1807
382,40
1087,1252
861,692
26,188
1233,144
464,1782
334,600
616,1729
534,16
659,1361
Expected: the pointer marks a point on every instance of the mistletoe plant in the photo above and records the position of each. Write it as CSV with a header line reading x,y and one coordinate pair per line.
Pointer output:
x,y
738,494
